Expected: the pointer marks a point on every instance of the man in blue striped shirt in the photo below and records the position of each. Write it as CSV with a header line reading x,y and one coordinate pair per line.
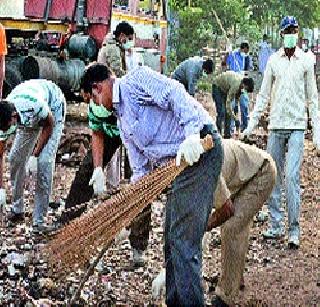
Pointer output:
x,y
159,120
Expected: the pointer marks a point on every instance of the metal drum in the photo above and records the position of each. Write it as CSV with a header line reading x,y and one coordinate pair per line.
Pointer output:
x,y
12,75
83,47
70,74
67,74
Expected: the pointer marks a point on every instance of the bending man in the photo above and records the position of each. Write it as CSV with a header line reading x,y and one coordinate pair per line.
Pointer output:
x,y
158,120
36,109
247,178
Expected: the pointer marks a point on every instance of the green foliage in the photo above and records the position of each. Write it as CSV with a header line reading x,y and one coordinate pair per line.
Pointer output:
x,y
193,32
145,4
197,24
205,84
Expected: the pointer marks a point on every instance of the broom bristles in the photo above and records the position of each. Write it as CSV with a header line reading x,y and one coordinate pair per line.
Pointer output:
x,y
81,240
76,243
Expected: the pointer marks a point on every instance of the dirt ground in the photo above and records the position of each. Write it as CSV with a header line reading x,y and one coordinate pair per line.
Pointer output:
x,y
274,275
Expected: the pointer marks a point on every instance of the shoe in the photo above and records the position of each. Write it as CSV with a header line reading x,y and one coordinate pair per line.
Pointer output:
x,y
293,242
242,285
138,260
218,302
54,205
273,233
15,218
42,229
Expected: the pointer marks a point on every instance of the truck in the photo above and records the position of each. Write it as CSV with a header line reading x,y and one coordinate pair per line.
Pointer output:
x,y
34,29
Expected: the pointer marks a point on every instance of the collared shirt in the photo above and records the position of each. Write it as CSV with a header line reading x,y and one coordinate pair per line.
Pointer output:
x,y
229,82
188,73
33,99
111,55
155,115
284,85
238,63
241,163
133,60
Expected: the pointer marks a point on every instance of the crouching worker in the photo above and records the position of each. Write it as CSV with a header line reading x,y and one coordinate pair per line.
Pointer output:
x,y
247,178
35,111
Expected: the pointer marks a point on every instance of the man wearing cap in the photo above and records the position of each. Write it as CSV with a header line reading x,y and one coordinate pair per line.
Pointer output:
x,y
285,77
36,110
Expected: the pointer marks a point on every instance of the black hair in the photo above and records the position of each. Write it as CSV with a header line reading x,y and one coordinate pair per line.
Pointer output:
x,y
265,36
94,73
249,83
244,45
123,27
208,66
6,110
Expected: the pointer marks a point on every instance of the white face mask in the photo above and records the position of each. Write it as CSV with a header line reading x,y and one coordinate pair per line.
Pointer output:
x,y
243,54
128,45
290,40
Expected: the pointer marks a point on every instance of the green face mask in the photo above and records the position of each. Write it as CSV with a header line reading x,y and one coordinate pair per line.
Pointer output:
x,y
5,134
290,40
99,110
128,45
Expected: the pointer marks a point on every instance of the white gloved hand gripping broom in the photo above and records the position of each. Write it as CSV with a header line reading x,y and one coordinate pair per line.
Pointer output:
x,y
90,235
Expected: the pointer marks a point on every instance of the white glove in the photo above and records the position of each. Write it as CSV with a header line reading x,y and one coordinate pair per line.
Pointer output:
x,y
246,133
98,181
32,165
158,284
2,197
191,149
122,235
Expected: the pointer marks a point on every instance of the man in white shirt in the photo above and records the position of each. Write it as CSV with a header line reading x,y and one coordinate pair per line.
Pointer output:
x,y
36,110
284,84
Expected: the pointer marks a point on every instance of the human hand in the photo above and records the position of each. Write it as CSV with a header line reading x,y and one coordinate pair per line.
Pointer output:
x,y
191,149
158,284
98,181
32,165
2,197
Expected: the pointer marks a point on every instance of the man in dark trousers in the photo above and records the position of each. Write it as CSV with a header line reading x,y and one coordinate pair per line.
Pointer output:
x,y
159,121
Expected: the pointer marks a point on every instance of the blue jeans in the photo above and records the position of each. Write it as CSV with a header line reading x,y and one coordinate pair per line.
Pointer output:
x,y
220,101
292,161
189,204
244,109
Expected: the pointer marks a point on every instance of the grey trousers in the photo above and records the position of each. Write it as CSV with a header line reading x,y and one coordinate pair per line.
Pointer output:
x,y
21,150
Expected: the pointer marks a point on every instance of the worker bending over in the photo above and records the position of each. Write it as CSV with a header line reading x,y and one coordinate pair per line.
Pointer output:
x,y
247,178
35,110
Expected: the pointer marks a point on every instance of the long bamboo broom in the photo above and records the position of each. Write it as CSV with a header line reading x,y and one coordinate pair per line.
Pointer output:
x,y
88,236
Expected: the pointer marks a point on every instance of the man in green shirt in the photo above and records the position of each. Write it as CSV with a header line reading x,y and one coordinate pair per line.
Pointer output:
x,y
227,87
90,178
